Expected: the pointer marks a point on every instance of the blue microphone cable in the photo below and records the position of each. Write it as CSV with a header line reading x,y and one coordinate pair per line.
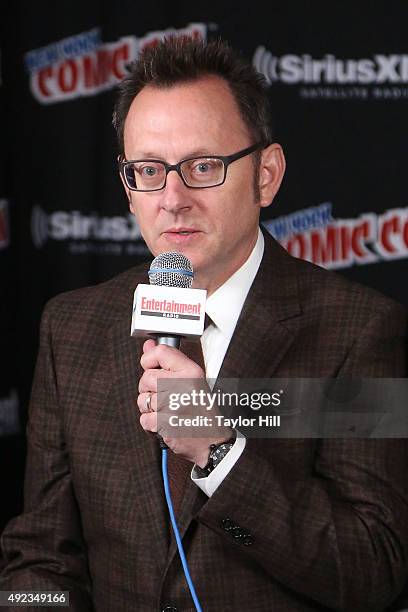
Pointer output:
x,y
176,531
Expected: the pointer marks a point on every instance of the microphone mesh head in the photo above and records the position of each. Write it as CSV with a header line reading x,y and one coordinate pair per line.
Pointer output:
x,y
171,270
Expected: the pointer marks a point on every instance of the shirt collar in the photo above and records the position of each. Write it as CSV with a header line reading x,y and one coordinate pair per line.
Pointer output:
x,y
225,304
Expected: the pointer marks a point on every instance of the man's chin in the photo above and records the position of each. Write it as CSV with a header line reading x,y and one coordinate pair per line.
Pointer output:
x,y
194,252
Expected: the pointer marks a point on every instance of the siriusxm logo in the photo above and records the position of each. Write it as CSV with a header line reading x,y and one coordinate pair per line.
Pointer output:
x,y
9,417
304,69
74,225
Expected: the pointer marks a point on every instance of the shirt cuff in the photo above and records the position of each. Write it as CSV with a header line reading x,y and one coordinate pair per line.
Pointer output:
x,y
211,483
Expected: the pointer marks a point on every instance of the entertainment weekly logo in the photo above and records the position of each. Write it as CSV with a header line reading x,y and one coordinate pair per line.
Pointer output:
x,y
87,233
313,234
378,76
83,65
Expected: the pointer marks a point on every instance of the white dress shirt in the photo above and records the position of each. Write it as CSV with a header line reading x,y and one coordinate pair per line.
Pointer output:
x,y
215,341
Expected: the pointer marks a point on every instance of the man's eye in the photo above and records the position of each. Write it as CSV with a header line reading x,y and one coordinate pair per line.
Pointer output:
x,y
202,167
148,171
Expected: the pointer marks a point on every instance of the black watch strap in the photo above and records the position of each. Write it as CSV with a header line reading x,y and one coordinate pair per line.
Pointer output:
x,y
217,454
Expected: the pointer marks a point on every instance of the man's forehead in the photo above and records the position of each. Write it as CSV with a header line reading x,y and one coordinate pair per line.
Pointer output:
x,y
203,112
210,94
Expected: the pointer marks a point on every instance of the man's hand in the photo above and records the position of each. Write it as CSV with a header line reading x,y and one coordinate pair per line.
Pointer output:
x,y
190,442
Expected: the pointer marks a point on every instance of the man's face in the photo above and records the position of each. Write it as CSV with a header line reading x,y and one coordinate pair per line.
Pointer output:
x,y
216,228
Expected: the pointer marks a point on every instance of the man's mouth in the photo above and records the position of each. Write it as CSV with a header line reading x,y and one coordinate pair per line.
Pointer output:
x,y
181,235
181,231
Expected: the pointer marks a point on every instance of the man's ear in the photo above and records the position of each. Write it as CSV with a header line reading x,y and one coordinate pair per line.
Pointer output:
x,y
271,171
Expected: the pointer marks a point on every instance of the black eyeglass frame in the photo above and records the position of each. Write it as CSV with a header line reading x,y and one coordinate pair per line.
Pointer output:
x,y
226,159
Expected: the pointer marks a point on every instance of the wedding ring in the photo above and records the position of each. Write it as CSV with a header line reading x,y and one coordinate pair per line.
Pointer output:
x,y
149,403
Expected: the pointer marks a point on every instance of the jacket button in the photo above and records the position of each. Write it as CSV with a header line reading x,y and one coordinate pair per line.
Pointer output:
x,y
237,532
169,608
227,524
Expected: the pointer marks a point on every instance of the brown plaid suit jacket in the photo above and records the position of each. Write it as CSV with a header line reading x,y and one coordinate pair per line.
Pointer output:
x,y
328,519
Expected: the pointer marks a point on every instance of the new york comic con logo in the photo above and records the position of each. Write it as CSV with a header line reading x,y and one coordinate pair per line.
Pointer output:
x,y
313,234
83,65
378,76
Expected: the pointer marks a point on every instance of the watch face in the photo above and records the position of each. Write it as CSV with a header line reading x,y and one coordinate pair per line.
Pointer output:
x,y
219,453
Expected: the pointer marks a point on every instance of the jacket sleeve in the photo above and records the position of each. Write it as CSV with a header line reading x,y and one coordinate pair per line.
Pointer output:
x,y
43,548
339,533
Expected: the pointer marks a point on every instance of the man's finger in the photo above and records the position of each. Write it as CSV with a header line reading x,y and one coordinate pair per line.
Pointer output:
x,y
148,382
147,402
148,345
149,421
167,358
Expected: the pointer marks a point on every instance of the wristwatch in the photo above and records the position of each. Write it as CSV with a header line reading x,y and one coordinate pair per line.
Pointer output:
x,y
217,454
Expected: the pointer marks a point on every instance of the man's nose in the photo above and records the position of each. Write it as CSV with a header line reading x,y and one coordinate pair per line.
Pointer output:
x,y
176,195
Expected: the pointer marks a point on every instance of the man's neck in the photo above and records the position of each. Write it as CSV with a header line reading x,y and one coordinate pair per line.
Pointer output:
x,y
211,284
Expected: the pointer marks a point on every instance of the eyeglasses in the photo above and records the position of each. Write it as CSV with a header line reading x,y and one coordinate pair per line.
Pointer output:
x,y
195,172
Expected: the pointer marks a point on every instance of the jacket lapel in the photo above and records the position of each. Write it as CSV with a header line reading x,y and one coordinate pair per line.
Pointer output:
x,y
263,333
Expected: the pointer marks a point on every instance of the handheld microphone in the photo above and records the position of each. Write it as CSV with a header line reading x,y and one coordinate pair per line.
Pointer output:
x,y
168,309
171,269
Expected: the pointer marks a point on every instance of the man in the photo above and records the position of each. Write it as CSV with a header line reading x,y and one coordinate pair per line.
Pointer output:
x,y
283,524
